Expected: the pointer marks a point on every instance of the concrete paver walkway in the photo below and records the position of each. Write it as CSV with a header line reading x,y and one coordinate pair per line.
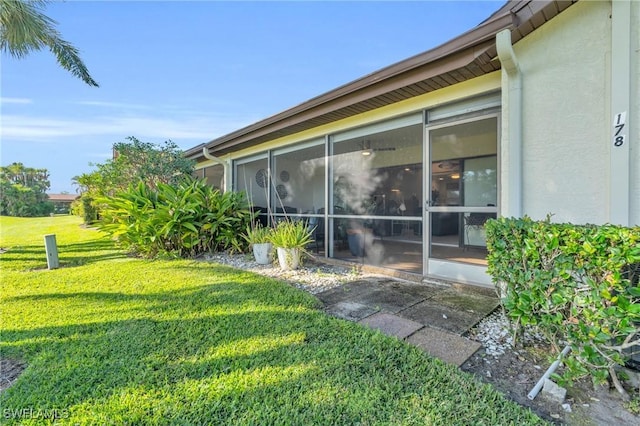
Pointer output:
x,y
433,318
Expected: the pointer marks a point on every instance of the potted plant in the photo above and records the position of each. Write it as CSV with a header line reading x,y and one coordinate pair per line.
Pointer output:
x,y
290,238
259,237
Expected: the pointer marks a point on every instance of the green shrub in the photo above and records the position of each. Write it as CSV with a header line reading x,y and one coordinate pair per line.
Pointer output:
x,y
76,208
577,283
85,208
186,220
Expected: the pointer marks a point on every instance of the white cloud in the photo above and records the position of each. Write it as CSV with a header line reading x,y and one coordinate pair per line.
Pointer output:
x,y
15,101
118,105
200,127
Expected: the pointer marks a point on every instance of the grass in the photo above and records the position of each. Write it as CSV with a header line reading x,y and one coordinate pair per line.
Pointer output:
x,y
110,339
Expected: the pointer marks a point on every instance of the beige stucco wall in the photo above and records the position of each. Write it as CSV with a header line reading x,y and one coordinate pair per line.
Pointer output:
x,y
565,116
634,125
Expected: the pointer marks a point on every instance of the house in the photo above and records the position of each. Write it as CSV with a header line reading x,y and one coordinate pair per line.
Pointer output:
x,y
533,112
62,202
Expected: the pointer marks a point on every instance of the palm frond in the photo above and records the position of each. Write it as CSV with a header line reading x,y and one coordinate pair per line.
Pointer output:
x,y
69,59
24,29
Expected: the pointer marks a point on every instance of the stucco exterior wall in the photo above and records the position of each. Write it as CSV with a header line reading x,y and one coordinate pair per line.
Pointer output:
x,y
634,124
565,153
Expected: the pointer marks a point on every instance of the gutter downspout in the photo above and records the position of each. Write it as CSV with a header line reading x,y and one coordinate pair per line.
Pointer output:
x,y
205,152
511,72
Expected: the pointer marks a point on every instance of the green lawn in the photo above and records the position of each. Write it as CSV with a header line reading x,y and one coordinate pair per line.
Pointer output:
x,y
110,339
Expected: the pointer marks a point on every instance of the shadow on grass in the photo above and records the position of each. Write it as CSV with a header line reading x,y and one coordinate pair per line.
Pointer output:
x,y
69,255
97,358
89,246
232,353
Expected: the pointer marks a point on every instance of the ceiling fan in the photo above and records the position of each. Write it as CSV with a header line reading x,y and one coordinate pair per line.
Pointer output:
x,y
367,149
448,165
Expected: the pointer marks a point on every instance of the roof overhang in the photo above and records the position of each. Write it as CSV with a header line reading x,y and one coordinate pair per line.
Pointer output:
x,y
467,56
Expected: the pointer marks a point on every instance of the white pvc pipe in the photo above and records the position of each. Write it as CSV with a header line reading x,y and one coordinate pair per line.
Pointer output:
x,y
548,373
207,155
510,66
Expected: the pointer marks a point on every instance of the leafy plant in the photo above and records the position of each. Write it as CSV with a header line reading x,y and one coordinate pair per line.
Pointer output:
x,y
577,283
186,220
291,234
25,29
290,237
153,164
86,209
257,234
633,405
133,162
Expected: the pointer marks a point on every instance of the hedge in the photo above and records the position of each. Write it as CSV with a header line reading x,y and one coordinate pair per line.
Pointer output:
x,y
577,283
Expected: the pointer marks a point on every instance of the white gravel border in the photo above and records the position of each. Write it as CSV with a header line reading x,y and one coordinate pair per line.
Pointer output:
x,y
494,333
312,277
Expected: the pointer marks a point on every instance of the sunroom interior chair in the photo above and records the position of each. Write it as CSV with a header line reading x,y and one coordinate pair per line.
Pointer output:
x,y
474,221
317,223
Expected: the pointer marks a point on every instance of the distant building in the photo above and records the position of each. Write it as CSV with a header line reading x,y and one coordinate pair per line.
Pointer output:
x,y
62,202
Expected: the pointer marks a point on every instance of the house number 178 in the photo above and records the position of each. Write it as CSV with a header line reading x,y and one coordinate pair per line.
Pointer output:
x,y
619,122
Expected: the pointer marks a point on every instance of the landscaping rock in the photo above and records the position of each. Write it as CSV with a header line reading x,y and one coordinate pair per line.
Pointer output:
x,y
553,392
313,277
629,376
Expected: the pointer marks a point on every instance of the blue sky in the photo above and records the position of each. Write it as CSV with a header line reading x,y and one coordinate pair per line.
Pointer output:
x,y
193,71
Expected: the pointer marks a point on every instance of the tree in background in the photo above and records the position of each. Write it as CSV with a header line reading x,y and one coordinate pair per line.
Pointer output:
x,y
136,161
25,29
133,162
23,191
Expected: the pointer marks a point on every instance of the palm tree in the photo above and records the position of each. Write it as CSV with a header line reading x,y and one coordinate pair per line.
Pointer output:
x,y
24,28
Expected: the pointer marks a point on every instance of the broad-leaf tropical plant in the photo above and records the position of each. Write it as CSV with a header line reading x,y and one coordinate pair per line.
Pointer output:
x,y
188,219
25,29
